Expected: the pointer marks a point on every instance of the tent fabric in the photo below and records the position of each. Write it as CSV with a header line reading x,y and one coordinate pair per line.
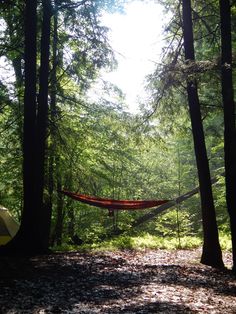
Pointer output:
x,y
3,229
114,204
8,226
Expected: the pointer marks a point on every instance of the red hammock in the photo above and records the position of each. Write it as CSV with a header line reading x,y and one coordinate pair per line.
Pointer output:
x,y
111,204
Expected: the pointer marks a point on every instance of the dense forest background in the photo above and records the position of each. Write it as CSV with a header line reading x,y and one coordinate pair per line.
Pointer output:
x,y
100,148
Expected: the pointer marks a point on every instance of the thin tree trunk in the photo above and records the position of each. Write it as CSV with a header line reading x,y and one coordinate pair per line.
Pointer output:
x,y
211,254
59,218
229,119
52,146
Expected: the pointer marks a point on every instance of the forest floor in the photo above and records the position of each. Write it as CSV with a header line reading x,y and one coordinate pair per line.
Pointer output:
x,y
149,281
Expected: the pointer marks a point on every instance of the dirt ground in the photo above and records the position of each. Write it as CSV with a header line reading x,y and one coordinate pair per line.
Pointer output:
x,y
151,281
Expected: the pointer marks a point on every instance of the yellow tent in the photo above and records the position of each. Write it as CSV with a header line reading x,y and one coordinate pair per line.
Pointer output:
x,y
8,226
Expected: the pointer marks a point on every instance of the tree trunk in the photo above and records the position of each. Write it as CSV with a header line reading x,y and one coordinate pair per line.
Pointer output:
x,y
59,218
29,219
27,237
41,126
32,235
54,160
211,254
229,119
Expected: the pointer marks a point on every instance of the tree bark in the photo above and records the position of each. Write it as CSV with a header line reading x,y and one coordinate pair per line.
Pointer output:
x,y
53,161
57,237
41,126
211,253
32,236
29,216
27,238
229,119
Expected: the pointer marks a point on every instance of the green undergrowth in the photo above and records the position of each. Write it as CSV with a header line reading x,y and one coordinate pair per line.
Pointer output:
x,y
148,241
145,241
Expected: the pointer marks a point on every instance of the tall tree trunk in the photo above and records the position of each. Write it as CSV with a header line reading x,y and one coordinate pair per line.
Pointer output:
x,y
229,119
53,158
211,254
42,124
53,101
30,215
33,233
27,238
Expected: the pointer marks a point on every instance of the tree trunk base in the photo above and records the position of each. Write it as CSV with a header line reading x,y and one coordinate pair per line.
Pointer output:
x,y
22,245
214,260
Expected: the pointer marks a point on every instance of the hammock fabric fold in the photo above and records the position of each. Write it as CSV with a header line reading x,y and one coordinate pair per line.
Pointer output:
x,y
111,204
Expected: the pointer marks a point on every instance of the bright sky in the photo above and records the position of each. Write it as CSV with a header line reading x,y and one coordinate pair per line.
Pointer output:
x,y
136,38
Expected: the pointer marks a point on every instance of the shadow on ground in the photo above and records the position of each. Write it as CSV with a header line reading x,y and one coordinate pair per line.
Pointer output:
x,y
108,283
